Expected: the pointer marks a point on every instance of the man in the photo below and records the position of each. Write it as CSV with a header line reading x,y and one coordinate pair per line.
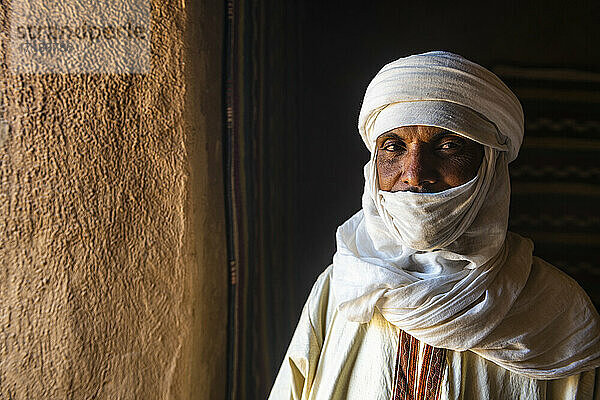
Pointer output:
x,y
429,296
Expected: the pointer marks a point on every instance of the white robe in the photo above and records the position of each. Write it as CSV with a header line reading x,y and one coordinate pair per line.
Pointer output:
x,y
330,357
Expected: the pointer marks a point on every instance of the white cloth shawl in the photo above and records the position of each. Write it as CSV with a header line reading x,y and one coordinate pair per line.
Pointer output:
x,y
441,266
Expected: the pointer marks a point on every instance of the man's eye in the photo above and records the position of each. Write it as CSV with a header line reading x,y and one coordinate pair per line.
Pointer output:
x,y
392,147
450,145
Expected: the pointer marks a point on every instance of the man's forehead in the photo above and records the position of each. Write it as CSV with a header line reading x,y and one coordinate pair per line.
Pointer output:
x,y
417,133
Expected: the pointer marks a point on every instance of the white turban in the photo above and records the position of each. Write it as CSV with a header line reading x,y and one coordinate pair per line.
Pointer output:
x,y
469,285
444,90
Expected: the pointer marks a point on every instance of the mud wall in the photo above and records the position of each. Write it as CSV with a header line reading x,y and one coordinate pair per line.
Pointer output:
x,y
112,243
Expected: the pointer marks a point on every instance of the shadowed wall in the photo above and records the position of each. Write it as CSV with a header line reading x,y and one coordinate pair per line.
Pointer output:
x,y
112,243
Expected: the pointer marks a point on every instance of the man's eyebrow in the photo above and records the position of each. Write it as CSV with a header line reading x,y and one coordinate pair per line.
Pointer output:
x,y
443,133
388,135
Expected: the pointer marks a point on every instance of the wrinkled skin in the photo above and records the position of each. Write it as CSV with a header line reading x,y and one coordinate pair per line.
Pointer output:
x,y
425,159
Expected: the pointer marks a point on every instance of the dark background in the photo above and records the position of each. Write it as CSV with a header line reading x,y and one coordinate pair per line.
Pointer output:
x,y
300,79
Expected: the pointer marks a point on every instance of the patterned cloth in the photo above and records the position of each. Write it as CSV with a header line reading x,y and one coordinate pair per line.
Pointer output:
x,y
419,370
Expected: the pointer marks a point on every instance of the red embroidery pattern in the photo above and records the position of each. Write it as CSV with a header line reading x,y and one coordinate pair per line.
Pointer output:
x,y
412,384
401,388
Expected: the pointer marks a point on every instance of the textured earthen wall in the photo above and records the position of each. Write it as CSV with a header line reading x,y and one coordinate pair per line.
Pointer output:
x,y
112,250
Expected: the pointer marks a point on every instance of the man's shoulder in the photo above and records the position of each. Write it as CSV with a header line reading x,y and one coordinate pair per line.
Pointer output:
x,y
551,289
320,305
321,290
556,281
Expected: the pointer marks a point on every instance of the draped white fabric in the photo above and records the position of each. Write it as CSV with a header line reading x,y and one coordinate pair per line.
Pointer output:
x,y
331,358
441,266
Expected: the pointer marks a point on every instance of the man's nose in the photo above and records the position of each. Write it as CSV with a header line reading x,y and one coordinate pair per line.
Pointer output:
x,y
418,169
